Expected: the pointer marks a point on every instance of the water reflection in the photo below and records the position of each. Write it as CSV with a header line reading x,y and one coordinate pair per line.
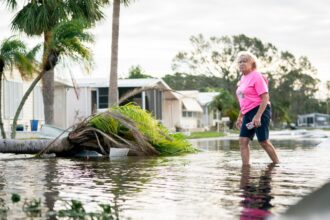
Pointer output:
x,y
207,185
233,145
256,193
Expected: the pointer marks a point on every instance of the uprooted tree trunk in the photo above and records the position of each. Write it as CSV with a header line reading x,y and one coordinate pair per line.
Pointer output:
x,y
126,126
85,136
33,146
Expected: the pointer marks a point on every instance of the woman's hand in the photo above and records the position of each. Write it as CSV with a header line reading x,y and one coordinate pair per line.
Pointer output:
x,y
239,122
256,121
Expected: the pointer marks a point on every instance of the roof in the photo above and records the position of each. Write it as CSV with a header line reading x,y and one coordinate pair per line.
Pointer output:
x,y
60,81
189,100
205,98
191,104
314,114
104,82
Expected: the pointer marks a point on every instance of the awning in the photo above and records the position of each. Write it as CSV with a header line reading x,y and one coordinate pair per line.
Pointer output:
x,y
192,105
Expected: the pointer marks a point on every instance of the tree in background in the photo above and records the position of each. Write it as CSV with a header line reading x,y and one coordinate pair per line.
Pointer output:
x,y
217,57
39,18
136,72
13,53
291,80
226,103
113,83
185,81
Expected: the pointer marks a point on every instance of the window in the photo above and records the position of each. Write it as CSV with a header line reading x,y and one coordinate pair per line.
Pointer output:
x,y
188,114
13,93
103,97
215,114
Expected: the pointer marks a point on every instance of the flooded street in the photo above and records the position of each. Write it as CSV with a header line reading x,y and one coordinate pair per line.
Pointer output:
x,y
208,185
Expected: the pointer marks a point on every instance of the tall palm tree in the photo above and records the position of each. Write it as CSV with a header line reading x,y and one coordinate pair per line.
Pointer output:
x,y
68,40
39,18
113,83
13,53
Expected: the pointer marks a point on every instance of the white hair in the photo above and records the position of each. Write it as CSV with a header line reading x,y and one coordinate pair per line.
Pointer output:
x,y
250,56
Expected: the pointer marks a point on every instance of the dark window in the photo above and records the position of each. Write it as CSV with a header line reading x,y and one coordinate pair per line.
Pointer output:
x,y
310,120
103,97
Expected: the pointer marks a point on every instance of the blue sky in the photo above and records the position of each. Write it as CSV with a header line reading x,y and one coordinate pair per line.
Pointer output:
x,y
153,31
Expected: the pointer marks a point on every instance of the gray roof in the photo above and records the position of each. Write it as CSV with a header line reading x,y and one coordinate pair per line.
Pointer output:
x,y
104,82
205,98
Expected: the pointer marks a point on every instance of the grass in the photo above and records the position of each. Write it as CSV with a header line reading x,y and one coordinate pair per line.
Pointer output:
x,y
205,134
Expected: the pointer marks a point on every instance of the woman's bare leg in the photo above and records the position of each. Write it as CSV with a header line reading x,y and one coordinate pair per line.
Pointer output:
x,y
270,149
245,150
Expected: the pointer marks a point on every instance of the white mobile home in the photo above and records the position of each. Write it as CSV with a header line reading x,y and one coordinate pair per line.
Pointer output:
x,y
315,120
210,116
93,97
13,90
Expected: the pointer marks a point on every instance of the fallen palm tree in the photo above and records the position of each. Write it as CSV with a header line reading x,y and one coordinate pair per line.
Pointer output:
x,y
126,126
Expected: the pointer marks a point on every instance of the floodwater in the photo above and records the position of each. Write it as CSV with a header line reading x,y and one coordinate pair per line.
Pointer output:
x,y
208,185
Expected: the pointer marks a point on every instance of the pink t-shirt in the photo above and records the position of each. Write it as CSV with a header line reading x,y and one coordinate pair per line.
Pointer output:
x,y
249,89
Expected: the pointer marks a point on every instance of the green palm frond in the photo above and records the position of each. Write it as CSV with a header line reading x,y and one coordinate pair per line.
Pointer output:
x,y
90,10
13,52
31,55
70,38
126,2
37,17
11,4
10,46
158,136
128,126
105,123
33,19
144,120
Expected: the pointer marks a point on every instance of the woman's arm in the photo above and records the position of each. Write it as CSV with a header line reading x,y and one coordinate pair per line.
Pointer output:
x,y
257,118
239,120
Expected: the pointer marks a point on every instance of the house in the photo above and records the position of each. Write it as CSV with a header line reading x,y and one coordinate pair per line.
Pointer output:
x,y
92,96
189,111
315,120
13,90
210,116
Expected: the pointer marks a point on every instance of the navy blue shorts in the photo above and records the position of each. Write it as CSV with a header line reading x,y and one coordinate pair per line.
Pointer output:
x,y
262,132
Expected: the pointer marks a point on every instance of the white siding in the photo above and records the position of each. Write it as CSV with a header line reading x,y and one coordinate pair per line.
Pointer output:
x,y
38,104
60,107
171,113
13,92
78,109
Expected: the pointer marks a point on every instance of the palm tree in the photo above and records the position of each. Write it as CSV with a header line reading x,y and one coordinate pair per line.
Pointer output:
x,y
39,18
13,53
113,83
127,126
68,40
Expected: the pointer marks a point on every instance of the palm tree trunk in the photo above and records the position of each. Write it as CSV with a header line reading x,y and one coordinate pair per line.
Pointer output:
x,y
33,146
48,96
48,83
3,133
113,84
23,100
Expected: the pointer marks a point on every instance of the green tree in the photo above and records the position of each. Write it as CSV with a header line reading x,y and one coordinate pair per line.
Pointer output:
x,y
39,18
292,80
184,81
13,53
226,103
216,56
68,40
113,83
136,72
